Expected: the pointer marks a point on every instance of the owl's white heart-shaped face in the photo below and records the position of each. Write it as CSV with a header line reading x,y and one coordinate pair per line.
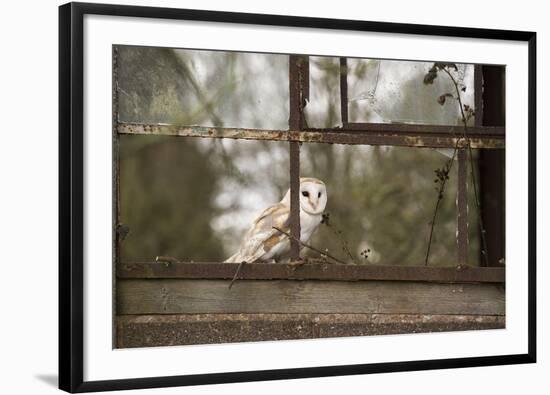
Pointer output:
x,y
313,196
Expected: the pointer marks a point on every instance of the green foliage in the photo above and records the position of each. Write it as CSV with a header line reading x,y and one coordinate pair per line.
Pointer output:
x,y
381,199
167,191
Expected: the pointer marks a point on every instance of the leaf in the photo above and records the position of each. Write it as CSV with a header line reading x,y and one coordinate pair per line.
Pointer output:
x,y
441,99
430,77
442,65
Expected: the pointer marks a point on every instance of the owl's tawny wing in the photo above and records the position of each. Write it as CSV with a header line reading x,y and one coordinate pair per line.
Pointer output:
x,y
261,237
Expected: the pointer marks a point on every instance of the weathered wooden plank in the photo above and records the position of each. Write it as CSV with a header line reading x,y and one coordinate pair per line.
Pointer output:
x,y
310,271
171,296
171,330
331,136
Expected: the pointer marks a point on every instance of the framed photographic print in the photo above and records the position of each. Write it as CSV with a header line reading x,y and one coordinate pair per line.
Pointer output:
x,y
251,197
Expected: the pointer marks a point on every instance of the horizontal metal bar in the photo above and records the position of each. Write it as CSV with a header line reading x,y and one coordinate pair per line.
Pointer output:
x,y
331,136
396,128
308,271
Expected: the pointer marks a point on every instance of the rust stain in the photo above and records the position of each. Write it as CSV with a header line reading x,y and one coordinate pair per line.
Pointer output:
x,y
329,136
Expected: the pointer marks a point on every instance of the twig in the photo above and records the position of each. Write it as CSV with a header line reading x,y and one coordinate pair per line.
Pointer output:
x,y
439,198
291,237
308,246
236,273
484,251
343,241
442,184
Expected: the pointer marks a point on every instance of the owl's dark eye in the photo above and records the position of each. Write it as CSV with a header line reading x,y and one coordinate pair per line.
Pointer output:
x,y
319,195
305,193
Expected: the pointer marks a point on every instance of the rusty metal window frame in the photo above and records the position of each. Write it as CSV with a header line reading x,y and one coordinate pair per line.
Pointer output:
x,y
433,136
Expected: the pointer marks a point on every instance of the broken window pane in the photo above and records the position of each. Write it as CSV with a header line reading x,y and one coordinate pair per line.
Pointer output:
x,y
393,91
323,107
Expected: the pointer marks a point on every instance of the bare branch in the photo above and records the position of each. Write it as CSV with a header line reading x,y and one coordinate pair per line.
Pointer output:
x,y
442,184
310,247
448,168
484,251
236,273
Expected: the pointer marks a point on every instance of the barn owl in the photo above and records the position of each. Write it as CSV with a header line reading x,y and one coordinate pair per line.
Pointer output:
x,y
263,243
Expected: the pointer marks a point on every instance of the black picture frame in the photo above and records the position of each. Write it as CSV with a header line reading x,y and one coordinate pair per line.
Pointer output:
x,y
71,172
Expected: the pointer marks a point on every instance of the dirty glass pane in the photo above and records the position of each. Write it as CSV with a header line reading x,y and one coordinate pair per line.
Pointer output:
x,y
207,88
393,91
193,199
323,107
380,203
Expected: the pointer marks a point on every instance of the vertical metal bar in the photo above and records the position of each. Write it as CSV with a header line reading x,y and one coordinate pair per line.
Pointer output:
x,y
298,91
478,95
462,208
492,163
344,90
462,193
478,119
462,190
116,190
295,230
304,87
